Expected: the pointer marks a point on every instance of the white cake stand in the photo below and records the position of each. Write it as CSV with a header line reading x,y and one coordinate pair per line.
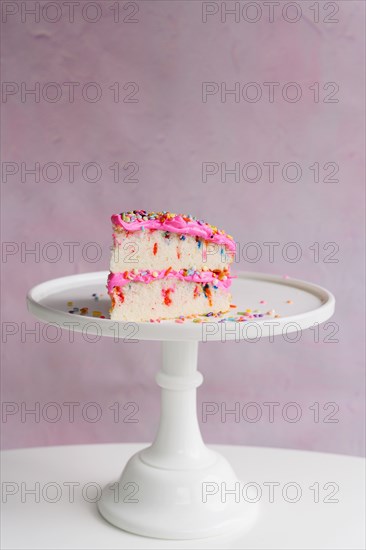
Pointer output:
x,y
178,488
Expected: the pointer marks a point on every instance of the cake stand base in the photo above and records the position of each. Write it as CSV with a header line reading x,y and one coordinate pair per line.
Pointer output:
x,y
167,504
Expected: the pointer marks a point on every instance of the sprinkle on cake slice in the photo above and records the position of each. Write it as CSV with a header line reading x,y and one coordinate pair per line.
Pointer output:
x,y
168,265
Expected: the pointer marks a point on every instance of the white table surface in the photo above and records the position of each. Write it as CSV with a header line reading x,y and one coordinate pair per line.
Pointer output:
x,y
304,524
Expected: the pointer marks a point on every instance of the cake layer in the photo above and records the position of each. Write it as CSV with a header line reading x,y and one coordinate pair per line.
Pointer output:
x,y
167,299
155,249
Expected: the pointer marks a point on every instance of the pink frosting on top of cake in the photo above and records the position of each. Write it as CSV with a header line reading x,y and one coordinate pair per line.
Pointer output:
x,y
174,223
122,279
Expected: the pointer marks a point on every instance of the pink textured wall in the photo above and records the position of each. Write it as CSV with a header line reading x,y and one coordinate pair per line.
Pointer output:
x,y
169,131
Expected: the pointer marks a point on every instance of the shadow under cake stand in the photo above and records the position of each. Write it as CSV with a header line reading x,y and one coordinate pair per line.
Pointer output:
x,y
178,488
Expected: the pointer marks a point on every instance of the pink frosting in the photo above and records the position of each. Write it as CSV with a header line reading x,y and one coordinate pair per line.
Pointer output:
x,y
119,279
177,224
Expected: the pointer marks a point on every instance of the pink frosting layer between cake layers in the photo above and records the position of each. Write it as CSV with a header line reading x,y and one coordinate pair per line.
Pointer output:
x,y
118,279
178,225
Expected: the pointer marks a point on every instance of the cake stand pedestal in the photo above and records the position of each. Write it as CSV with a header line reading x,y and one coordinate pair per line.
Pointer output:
x,y
178,488
177,480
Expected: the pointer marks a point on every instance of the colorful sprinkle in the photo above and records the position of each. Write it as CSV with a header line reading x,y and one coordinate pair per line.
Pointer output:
x,y
166,295
208,294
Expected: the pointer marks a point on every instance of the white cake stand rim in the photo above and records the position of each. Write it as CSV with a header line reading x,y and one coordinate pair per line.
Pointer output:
x,y
169,330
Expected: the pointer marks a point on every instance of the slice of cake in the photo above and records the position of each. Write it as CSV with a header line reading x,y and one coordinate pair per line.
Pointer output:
x,y
168,265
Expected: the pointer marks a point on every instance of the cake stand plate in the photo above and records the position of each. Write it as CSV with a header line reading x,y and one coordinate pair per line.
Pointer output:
x,y
178,488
